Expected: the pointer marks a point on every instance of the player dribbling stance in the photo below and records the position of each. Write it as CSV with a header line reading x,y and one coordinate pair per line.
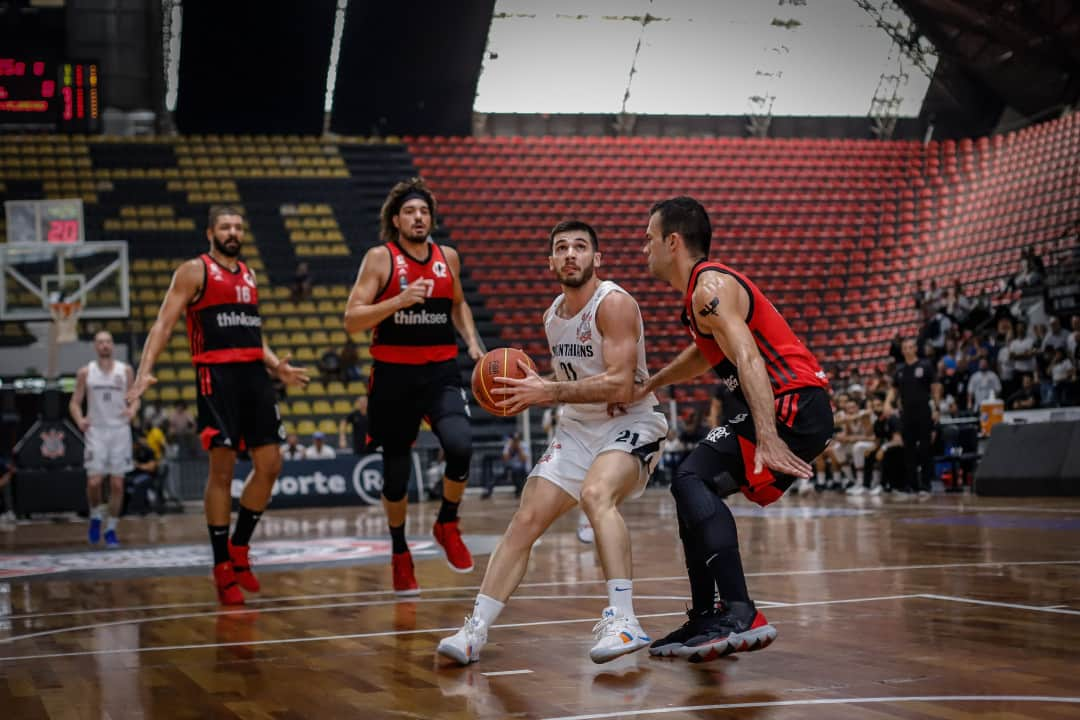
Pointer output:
x,y
596,337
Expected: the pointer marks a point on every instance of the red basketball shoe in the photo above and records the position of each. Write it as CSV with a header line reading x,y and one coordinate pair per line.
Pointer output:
x,y
404,577
740,629
242,567
457,555
228,591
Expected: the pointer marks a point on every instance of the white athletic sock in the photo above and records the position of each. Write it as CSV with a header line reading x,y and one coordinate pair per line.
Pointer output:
x,y
486,609
821,478
620,594
98,512
111,524
583,519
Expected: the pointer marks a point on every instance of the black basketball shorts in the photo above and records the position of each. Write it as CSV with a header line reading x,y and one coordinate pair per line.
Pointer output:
x,y
725,458
237,406
401,396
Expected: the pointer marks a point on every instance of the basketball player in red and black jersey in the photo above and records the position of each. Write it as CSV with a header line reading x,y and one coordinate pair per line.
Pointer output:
x,y
236,400
409,290
776,419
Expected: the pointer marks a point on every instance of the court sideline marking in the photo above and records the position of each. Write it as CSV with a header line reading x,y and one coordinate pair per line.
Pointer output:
x,y
826,701
551,583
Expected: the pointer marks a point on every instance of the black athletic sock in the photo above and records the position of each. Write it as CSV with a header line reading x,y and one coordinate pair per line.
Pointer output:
x,y
720,547
447,511
245,525
702,585
219,542
397,539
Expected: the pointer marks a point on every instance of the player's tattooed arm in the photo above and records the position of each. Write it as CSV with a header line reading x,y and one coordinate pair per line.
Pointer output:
x,y
711,308
728,327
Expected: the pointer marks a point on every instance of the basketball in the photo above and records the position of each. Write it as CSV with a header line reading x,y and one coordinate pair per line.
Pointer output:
x,y
500,362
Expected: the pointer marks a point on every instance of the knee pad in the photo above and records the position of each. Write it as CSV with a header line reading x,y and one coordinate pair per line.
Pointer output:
x,y
456,438
395,477
694,501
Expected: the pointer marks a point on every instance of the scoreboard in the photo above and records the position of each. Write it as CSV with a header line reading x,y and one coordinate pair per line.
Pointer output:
x,y
59,222
61,95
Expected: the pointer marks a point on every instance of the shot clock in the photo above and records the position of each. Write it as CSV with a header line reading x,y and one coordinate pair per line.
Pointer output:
x,y
58,222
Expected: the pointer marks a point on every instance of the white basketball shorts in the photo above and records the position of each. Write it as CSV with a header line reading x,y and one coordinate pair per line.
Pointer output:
x,y
577,443
108,451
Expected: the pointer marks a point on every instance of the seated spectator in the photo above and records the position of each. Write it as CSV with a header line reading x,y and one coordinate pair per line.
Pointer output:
x,y
182,429
142,494
1063,375
291,449
516,460
155,440
1072,345
301,287
153,415
1027,397
944,404
329,366
350,362
356,423
1056,336
983,385
319,450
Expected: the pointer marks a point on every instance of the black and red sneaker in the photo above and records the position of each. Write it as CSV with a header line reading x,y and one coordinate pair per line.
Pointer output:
x,y
245,578
697,622
740,628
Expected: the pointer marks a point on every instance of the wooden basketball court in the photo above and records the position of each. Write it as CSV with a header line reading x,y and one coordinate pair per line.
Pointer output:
x,y
955,607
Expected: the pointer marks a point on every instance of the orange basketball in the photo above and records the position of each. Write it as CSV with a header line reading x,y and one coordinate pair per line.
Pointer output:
x,y
500,362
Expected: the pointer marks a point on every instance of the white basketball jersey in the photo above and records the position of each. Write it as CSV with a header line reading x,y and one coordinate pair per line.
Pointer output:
x,y
577,352
105,395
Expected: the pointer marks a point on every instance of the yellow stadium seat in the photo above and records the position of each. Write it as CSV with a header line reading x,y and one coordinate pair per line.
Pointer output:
x,y
166,375
305,354
335,387
328,426
299,407
321,407
342,407
305,427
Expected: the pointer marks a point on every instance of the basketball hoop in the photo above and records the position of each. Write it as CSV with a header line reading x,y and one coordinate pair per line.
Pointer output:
x,y
65,316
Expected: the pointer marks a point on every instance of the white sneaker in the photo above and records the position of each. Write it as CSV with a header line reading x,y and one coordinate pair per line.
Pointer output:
x,y
856,490
805,486
586,534
464,646
616,635
924,494
876,490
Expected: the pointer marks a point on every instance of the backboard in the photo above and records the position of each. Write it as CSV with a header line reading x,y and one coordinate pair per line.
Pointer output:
x,y
35,274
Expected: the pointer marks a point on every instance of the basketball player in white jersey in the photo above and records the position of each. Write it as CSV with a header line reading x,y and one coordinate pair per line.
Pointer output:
x,y
107,426
596,337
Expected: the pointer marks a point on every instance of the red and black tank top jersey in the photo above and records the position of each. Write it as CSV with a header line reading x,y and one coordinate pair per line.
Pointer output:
x,y
423,333
223,323
789,363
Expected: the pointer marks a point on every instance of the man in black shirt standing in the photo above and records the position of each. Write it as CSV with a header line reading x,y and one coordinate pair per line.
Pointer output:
x,y
913,381
358,421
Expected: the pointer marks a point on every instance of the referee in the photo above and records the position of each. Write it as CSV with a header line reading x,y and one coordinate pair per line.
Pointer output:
x,y
913,381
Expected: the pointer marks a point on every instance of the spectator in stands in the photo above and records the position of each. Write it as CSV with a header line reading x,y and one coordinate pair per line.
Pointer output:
x,y
301,287
1057,337
350,362
1043,379
955,305
953,382
1030,275
886,464
141,491
329,366
182,429
155,440
1035,260
1027,397
153,415
944,404
1022,350
859,434
693,430
984,384
357,423
929,297
516,461
291,449
1063,374
319,450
